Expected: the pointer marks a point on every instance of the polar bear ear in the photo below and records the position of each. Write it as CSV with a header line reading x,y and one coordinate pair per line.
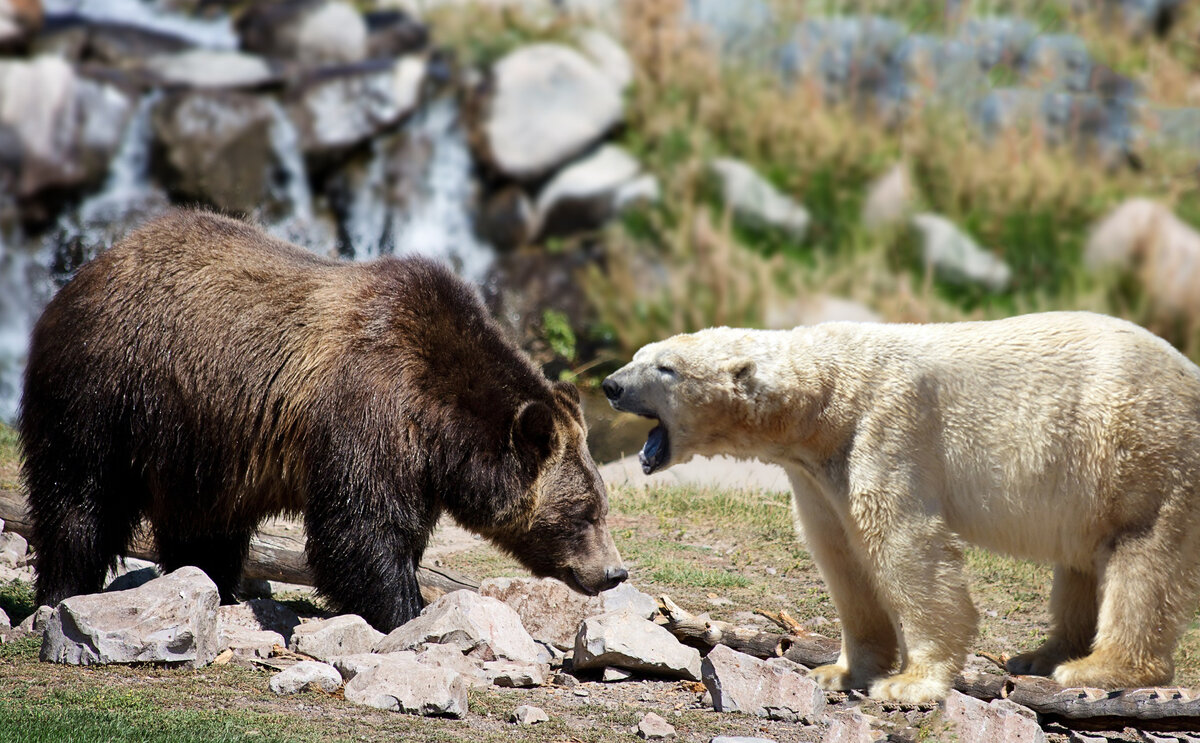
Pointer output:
x,y
533,430
743,372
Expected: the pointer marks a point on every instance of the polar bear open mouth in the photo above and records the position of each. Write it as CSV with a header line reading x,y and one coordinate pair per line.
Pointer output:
x,y
656,451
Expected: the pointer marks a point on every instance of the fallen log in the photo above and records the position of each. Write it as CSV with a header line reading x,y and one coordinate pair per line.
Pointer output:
x,y
276,552
1170,708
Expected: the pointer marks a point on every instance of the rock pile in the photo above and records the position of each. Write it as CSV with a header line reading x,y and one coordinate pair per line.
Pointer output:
x,y
467,640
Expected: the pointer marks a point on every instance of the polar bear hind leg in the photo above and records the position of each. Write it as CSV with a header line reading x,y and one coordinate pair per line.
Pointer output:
x,y
1073,609
1149,590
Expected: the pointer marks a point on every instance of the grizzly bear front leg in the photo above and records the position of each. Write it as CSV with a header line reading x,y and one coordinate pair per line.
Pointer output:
x,y
918,566
869,640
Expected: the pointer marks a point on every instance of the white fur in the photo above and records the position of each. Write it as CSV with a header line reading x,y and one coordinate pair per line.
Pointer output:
x,y
1068,438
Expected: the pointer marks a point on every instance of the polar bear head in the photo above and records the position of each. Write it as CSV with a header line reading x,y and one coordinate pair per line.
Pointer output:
x,y
712,392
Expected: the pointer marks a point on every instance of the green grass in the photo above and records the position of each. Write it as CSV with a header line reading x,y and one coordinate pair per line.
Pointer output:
x,y
766,514
17,600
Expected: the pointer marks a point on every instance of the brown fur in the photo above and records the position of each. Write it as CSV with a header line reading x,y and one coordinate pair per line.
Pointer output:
x,y
207,375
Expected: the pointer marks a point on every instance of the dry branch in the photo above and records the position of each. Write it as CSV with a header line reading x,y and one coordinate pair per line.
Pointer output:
x,y
276,552
1160,708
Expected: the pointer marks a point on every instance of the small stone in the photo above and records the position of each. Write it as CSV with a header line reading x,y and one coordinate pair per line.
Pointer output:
x,y
5,623
581,693
342,635
976,721
653,727
527,714
565,680
35,623
852,726
410,687
478,625
755,200
627,641
739,739
612,673
306,674
956,257
13,548
516,675
774,689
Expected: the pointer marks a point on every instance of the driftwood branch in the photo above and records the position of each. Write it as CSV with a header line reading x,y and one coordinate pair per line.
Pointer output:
x,y
1158,708
276,552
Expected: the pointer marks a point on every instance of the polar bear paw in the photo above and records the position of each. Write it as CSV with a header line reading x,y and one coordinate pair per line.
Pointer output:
x,y
834,677
1040,662
1102,671
910,688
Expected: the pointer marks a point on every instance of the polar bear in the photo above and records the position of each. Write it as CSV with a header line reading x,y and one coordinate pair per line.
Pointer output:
x,y
1068,438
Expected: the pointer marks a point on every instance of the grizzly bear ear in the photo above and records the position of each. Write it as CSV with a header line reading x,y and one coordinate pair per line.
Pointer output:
x,y
533,430
567,390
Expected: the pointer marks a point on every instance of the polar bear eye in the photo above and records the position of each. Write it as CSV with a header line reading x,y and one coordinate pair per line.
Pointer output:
x,y
668,371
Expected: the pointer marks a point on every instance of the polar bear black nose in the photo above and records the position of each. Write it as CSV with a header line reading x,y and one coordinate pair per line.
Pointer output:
x,y
612,390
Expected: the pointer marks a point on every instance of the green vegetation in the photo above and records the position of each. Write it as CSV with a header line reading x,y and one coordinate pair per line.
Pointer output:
x,y
17,600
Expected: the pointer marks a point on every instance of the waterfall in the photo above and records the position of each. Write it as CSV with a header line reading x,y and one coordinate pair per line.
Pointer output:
x,y
25,287
435,217
289,188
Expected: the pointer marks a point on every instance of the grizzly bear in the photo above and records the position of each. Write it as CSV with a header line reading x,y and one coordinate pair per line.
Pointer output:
x,y
204,375
1068,438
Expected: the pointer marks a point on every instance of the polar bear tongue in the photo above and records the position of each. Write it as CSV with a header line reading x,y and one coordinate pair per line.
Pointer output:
x,y
654,452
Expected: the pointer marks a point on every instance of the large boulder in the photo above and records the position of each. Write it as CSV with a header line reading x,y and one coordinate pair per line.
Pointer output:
x,y
341,108
214,147
584,195
956,258
66,126
1145,237
172,619
624,640
776,689
608,55
548,104
314,32
402,684
477,625
213,69
13,548
755,201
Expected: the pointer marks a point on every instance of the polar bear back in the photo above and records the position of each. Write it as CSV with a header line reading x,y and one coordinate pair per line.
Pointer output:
x,y
1013,428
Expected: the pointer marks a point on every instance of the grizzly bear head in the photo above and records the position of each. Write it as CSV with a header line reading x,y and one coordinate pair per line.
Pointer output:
x,y
559,529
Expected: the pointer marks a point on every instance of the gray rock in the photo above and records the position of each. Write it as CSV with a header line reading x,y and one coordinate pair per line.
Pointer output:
x,y
35,623
756,201
1145,236
215,148
739,739
549,104
852,726
314,32
172,619
260,615
4,621
608,55
327,638
351,665
583,195
640,191
529,715
66,126
211,69
249,643
516,675
342,108
13,549
1000,721
450,657
653,727
478,625
626,641
774,689
127,566
305,675
394,33
551,612
612,674
956,258
890,199
410,687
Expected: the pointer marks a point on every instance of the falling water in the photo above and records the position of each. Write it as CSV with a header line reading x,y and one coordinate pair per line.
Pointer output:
x,y
436,220
297,221
25,287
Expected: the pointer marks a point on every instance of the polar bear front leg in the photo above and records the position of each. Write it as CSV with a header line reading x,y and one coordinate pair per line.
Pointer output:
x,y
918,566
1073,606
869,641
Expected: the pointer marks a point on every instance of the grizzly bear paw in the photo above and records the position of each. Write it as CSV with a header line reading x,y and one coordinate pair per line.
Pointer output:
x,y
910,688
